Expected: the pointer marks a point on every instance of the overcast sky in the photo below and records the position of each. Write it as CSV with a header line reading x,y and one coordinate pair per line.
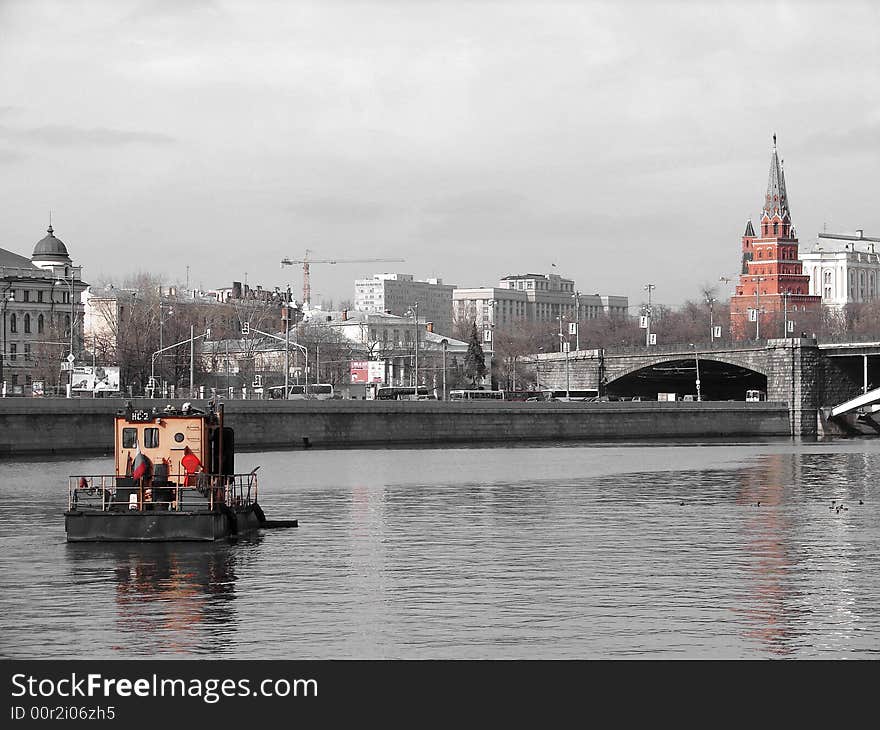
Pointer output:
x,y
624,142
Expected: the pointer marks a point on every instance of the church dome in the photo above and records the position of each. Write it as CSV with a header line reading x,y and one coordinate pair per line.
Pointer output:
x,y
50,248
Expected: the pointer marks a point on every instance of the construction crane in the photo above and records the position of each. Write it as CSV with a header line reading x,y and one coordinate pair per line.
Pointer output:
x,y
306,262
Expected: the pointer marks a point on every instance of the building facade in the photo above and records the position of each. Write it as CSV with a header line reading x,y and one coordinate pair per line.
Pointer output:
x,y
42,317
397,293
843,269
772,284
532,298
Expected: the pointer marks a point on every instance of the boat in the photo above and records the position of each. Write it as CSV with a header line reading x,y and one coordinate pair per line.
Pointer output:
x,y
174,479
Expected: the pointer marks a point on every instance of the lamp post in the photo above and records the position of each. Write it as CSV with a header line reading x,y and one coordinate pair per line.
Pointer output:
x,y
710,300
162,313
758,281
445,344
564,345
649,288
577,320
414,311
70,281
191,340
785,296
247,329
6,299
697,363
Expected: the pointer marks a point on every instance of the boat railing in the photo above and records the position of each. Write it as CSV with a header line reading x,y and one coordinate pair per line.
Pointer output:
x,y
200,492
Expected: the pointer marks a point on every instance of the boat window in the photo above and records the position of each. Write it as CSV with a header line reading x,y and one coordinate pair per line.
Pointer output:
x,y
178,437
129,438
151,438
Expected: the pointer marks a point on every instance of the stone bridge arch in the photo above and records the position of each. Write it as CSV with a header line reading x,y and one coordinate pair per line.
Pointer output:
x,y
620,366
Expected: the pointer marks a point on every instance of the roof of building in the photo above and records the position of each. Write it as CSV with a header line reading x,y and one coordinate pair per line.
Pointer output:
x,y
13,260
848,237
50,248
750,230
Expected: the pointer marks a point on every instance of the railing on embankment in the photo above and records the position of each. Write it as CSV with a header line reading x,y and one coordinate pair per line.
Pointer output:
x,y
46,426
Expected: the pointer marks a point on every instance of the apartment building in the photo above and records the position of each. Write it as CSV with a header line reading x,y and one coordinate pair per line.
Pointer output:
x,y
398,293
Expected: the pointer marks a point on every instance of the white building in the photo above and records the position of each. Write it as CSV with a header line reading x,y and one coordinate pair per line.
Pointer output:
x,y
843,269
397,293
533,298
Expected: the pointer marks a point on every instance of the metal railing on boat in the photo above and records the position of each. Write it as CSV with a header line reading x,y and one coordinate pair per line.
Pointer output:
x,y
178,493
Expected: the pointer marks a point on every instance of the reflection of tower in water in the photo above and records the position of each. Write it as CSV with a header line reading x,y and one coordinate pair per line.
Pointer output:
x,y
767,608
175,598
799,552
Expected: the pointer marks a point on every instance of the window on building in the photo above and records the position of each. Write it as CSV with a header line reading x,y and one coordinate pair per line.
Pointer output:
x,y
27,351
40,324
40,295
13,351
27,295
27,323
66,324
13,323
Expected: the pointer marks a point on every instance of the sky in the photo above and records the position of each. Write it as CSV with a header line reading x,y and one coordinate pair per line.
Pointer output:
x,y
615,144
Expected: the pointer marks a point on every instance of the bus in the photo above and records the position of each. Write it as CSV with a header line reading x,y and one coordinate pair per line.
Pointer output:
x,y
312,391
397,392
476,395
587,394
756,395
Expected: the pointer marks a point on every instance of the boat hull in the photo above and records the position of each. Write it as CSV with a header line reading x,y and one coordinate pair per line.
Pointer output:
x,y
159,526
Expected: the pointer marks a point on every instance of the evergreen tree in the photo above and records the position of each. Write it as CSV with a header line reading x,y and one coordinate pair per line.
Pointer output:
x,y
474,360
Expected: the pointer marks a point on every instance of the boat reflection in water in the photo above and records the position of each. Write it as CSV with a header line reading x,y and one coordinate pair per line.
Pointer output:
x,y
170,598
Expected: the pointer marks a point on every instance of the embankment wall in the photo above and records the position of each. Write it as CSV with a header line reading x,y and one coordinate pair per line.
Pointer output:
x,y
47,426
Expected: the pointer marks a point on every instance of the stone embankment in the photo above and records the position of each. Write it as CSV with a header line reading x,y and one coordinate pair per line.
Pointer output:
x,y
85,426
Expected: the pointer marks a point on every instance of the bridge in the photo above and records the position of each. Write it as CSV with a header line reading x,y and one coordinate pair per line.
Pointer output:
x,y
810,377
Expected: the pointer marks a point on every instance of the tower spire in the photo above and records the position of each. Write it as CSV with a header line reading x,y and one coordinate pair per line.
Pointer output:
x,y
776,199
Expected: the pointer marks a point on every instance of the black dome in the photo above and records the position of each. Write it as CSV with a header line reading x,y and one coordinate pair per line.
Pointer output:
x,y
50,248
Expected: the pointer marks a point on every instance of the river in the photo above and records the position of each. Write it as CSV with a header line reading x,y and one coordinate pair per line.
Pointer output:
x,y
560,551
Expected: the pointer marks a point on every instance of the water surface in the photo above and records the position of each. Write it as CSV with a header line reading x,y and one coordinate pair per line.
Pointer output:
x,y
561,551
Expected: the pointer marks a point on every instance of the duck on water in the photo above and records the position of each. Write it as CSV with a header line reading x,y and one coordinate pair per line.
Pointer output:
x,y
174,479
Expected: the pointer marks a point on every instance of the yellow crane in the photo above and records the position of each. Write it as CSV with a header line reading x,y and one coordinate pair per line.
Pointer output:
x,y
306,262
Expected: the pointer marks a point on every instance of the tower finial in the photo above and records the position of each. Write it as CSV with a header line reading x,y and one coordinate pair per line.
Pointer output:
x,y
774,140
49,230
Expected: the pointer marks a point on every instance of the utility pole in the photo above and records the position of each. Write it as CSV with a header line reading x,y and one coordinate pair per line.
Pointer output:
x,y
758,308
785,314
192,358
711,301
649,288
445,343
416,379
285,317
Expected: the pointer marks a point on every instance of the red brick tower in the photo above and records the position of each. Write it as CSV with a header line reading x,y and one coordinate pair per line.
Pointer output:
x,y
772,286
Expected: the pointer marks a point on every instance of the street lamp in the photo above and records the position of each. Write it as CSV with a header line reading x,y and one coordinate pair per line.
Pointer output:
x,y
445,344
6,299
758,280
565,347
414,311
710,300
70,281
649,288
697,363
191,340
785,296
577,320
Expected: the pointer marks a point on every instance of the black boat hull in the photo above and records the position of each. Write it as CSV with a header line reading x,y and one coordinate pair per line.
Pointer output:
x,y
158,526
